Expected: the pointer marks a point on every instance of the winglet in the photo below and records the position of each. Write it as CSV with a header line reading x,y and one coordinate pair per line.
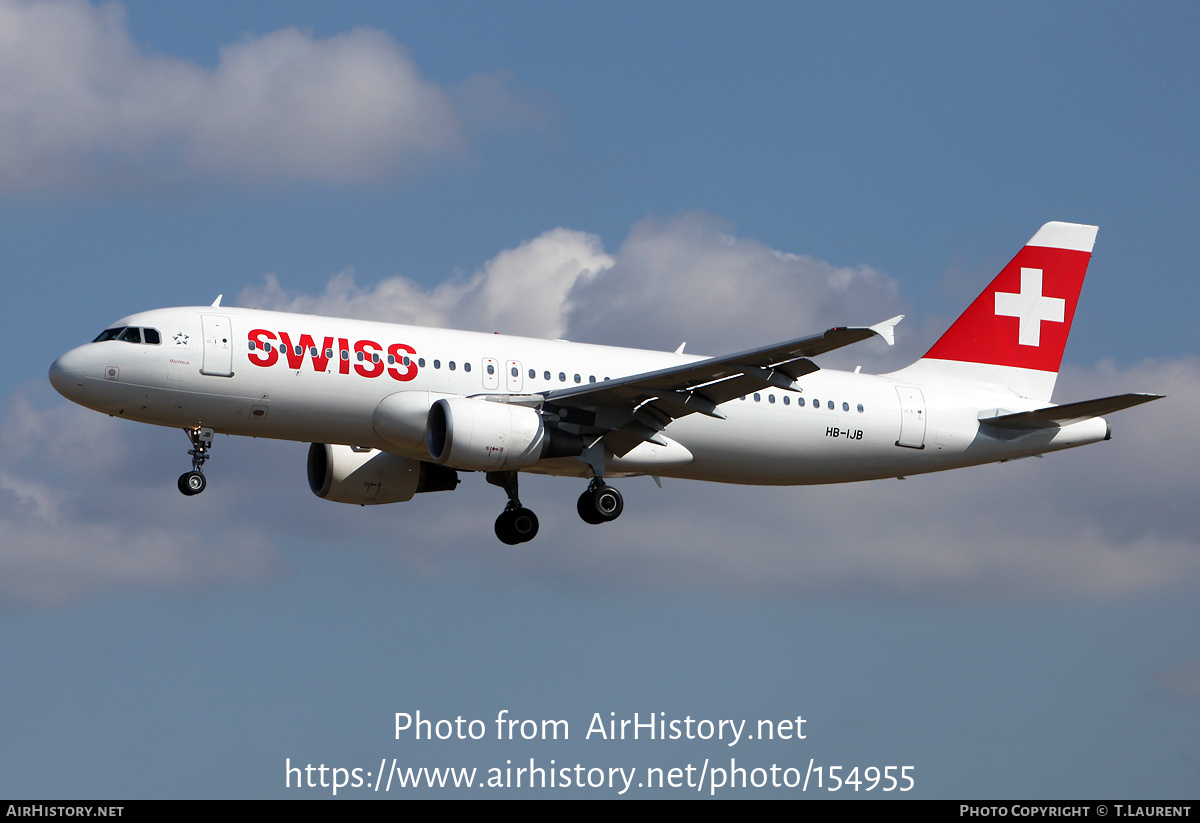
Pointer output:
x,y
216,303
887,329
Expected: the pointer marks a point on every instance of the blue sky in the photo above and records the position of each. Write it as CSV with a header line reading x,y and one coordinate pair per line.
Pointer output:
x,y
653,173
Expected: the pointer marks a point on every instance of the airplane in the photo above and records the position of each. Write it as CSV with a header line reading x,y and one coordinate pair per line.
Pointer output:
x,y
392,411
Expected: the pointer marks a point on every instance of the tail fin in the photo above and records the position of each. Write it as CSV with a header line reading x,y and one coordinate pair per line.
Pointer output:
x,y
1013,336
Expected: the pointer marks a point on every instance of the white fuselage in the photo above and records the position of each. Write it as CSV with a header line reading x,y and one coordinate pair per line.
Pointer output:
x,y
837,427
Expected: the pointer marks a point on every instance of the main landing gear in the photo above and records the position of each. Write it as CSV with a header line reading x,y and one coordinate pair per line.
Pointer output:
x,y
193,482
600,503
516,524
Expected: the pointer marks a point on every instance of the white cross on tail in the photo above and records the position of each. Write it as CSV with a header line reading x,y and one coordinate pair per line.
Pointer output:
x,y
1030,307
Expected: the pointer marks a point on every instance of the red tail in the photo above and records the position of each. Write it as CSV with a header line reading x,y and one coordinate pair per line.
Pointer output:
x,y
1023,318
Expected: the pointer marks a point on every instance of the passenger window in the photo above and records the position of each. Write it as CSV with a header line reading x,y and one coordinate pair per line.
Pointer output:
x,y
437,364
578,379
546,375
532,373
451,365
757,397
466,366
491,369
152,336
591,378
831,405
562,377
131,335
299,350
375,357
860,408
845,407
313,351
787,401
360,356
770,398
345,354
328,353
799,401
405,360
252,346
816,403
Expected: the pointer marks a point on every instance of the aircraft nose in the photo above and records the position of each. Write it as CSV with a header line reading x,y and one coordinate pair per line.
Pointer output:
x,y
67,373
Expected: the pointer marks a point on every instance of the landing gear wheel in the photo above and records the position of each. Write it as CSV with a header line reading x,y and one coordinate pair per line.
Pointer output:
x,y
192,483
515,526
600,504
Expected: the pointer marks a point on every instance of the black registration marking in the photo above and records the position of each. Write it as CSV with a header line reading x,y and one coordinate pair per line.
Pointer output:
x,y
849,434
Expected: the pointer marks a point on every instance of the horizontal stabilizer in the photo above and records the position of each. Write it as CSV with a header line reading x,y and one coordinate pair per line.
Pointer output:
x,y
1054,416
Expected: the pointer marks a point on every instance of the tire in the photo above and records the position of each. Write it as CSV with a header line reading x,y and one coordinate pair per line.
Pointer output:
x,y
587,510
515,526
523,524
191,483
600,505
609,503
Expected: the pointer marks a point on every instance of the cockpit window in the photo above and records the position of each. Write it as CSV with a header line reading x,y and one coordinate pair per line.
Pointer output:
x,y
131,334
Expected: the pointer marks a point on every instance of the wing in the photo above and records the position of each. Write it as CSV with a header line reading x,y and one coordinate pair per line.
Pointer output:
x,y
630,410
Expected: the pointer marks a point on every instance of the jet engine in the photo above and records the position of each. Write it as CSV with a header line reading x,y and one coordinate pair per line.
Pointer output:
x,y
366,477
400,418
486,436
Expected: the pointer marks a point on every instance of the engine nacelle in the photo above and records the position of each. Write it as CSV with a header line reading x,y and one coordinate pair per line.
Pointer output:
x,y
484,436
400,418
367,477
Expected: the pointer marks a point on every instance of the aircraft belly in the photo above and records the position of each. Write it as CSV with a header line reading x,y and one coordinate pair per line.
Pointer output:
x,y
779,446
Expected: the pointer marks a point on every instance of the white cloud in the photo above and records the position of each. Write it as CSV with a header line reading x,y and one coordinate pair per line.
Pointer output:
x,y
83,104
524,291
688,278
82,508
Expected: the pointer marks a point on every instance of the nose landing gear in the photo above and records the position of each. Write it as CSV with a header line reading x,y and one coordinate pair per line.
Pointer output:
x,y
193,482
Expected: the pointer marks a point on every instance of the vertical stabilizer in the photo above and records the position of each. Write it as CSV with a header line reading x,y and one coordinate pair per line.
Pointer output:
x,y
1014,334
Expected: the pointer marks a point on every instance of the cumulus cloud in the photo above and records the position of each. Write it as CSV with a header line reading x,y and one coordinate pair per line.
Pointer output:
x,y
67,528
82,104
689,278
523,291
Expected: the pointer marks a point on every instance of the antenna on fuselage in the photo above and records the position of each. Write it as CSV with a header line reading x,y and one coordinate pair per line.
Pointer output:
x,y
216,303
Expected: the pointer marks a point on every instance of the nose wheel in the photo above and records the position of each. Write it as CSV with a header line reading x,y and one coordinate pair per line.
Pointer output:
x,y
600,503
193,482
